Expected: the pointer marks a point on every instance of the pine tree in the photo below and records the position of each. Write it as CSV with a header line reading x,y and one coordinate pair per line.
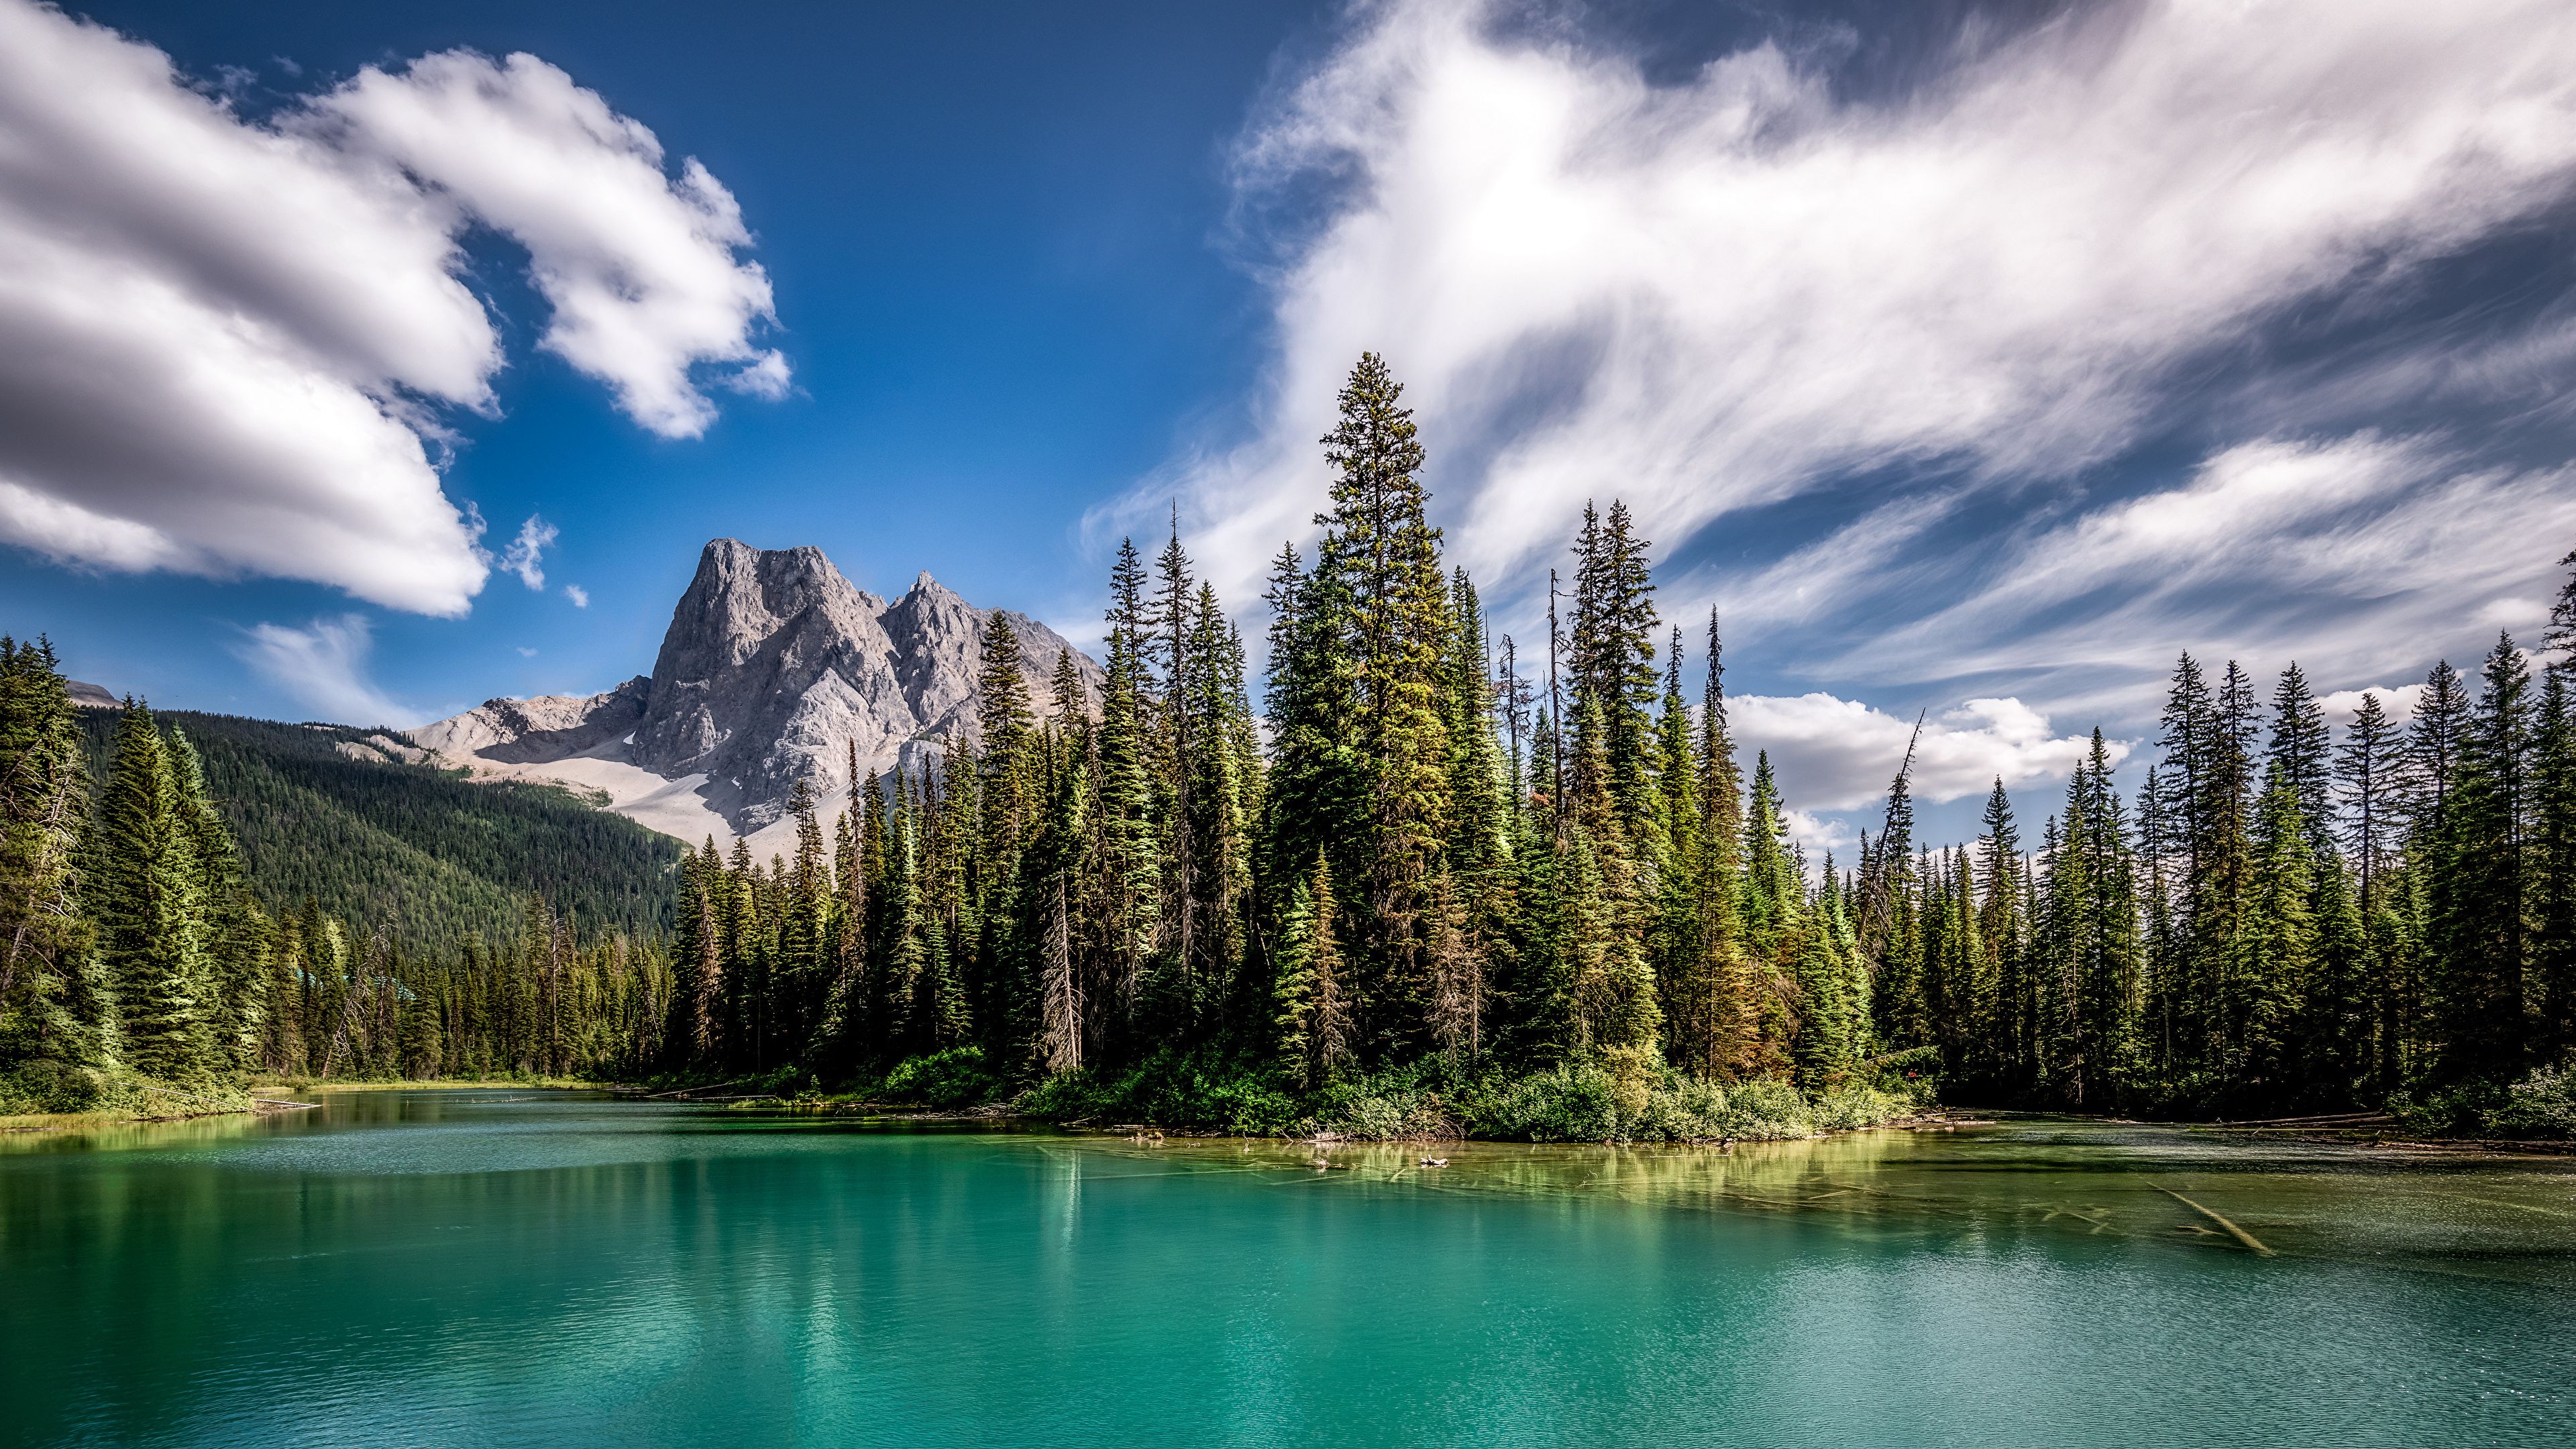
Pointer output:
x,y
2479,884
1324,1026
1383,552
2368,771
702,951
1888,932
2553,866
1131,851
2112,989
54,1003
1613,652
2302,752
2279,948
2003,931
151,909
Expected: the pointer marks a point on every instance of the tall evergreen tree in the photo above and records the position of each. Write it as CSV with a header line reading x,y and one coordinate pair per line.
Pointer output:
x,y
54,1004
1380,548
151,907
2478,882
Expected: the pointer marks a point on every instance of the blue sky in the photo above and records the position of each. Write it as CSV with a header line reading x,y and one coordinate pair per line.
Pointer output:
x,y
1972,359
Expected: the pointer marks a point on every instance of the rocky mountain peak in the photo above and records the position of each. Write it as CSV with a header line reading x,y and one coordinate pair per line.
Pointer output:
x,y
775,667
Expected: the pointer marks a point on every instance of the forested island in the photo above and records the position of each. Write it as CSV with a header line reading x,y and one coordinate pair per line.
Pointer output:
x,y
1435,883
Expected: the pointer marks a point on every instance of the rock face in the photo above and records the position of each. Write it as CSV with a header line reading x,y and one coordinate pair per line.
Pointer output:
x,y
773,667
532,731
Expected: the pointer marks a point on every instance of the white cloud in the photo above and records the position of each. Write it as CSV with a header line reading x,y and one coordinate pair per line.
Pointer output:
x,y
1821,835
228,340
1708,295
527,653
639,268
324,668
2360,557
526,553
1838,754
2397,703
580,596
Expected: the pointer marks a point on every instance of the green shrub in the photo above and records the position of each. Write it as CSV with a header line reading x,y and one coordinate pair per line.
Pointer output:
x,y
1767,1108
1685,1110
1841,1109
953,1078
1569,1104
53,1086
1391,1107
1614,1099
1173,1089
2542,1104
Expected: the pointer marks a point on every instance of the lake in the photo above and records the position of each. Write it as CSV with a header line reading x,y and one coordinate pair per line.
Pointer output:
x,y
525,1268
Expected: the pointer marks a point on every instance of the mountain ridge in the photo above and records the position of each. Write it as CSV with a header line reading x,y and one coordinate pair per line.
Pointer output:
x,y
773,669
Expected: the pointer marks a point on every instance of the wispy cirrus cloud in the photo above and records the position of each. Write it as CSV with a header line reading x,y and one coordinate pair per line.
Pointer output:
x,y
1710,295
2353,555
323,666
1931,326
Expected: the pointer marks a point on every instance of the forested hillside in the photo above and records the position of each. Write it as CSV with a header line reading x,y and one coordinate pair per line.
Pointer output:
x,y
146,965
428,857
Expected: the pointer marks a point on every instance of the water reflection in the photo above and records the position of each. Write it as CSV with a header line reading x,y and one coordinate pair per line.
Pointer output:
x,y
538,1268
2453,1212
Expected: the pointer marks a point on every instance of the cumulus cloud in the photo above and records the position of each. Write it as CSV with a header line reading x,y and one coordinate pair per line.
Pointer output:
x,y
1712,294
230,339
639,267
1820,836
580,596
526,553
323,667
2397,703
1838,754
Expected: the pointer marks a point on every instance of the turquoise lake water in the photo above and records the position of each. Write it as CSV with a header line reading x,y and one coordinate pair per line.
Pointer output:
x,y
519,1268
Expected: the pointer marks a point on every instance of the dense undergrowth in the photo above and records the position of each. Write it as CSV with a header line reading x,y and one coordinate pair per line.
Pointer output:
x,y
1624,1098
50,1088
2541,1106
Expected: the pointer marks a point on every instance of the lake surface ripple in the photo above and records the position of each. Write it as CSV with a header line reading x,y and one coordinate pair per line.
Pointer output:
x,y
524,1268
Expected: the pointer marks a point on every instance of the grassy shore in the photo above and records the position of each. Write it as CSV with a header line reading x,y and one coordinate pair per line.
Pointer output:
x,y
266,1086
1611,1100
45,1097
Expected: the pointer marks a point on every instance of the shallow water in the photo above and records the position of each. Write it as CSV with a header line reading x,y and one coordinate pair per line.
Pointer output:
x,y
548,1268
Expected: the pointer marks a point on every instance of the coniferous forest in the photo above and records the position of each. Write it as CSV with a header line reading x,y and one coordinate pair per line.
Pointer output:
x,y
428,858
1430,878
142,966
1428,858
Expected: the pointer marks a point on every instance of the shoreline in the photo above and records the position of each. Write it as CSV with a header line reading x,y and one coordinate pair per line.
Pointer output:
x,y
270,1098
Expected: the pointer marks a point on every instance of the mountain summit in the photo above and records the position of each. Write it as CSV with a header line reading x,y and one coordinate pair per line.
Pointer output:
x,y
774,666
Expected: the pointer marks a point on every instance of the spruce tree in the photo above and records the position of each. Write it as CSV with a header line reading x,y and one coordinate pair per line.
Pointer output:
x,y
2553,866
54,1002
1323,1024
1380,547
1131,850
2368,773
2478,882
151,908
2004,936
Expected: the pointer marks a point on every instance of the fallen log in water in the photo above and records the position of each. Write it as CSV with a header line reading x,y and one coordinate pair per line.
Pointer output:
x,y
2239,1234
